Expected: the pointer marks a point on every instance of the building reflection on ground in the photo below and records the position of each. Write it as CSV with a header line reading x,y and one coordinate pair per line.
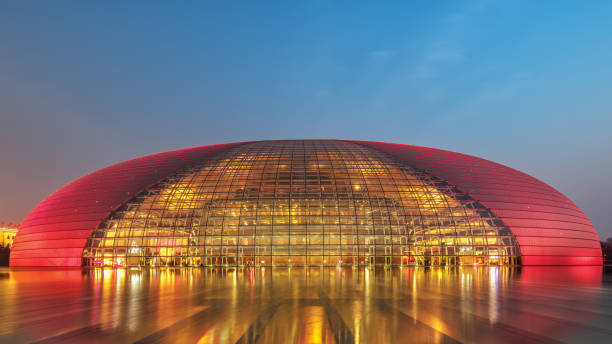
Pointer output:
x,y
300,305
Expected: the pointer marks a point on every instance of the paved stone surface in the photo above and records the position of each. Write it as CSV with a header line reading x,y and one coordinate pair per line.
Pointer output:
x,y
298,305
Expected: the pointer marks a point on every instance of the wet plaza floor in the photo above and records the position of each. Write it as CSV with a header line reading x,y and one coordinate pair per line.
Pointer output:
x,y
298,305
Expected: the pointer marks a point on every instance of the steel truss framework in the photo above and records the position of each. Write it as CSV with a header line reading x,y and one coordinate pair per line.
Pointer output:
x,y
301,203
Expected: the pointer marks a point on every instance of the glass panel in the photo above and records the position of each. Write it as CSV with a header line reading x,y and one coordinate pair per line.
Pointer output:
x,y
301,203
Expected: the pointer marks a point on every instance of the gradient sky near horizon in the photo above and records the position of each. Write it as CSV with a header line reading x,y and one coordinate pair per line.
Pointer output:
x,y
523,83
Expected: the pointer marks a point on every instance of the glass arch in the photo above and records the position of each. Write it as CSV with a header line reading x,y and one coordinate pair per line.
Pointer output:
x,y
301,203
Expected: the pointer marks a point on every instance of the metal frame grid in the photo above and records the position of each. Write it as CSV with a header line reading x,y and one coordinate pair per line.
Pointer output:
x,y
301,203
549,228
55,232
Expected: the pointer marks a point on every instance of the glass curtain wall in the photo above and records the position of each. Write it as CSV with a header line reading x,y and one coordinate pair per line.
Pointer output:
x,y
301,203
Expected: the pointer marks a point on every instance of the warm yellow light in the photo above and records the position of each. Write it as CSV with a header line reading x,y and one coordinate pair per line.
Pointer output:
x,y
346,202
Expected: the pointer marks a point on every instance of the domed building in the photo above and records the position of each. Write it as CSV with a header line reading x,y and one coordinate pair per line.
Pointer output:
x,y
306,203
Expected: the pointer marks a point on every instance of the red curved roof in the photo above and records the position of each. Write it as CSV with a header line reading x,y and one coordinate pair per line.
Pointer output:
x,y
549,228
55,232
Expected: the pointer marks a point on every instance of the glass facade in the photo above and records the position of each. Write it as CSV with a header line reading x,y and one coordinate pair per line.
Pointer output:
x,y
301,203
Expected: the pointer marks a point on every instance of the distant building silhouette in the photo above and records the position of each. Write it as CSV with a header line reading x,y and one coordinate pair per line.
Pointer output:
x,y
7,234
606,250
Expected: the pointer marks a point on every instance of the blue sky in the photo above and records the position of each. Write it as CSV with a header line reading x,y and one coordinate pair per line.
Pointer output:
x,y
523,83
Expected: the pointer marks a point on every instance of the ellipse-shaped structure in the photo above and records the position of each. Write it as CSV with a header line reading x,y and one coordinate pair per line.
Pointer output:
x,y
306,203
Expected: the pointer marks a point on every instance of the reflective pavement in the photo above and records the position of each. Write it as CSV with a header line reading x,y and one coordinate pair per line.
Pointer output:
x,y
299,305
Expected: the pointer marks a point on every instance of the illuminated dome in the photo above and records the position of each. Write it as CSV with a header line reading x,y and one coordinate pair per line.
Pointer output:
x,y
306,203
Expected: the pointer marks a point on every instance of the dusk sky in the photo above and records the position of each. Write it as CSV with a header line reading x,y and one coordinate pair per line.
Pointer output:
x,y
524,83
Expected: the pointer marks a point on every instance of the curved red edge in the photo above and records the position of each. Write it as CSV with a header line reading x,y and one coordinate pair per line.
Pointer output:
x,y
550,229
55,232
